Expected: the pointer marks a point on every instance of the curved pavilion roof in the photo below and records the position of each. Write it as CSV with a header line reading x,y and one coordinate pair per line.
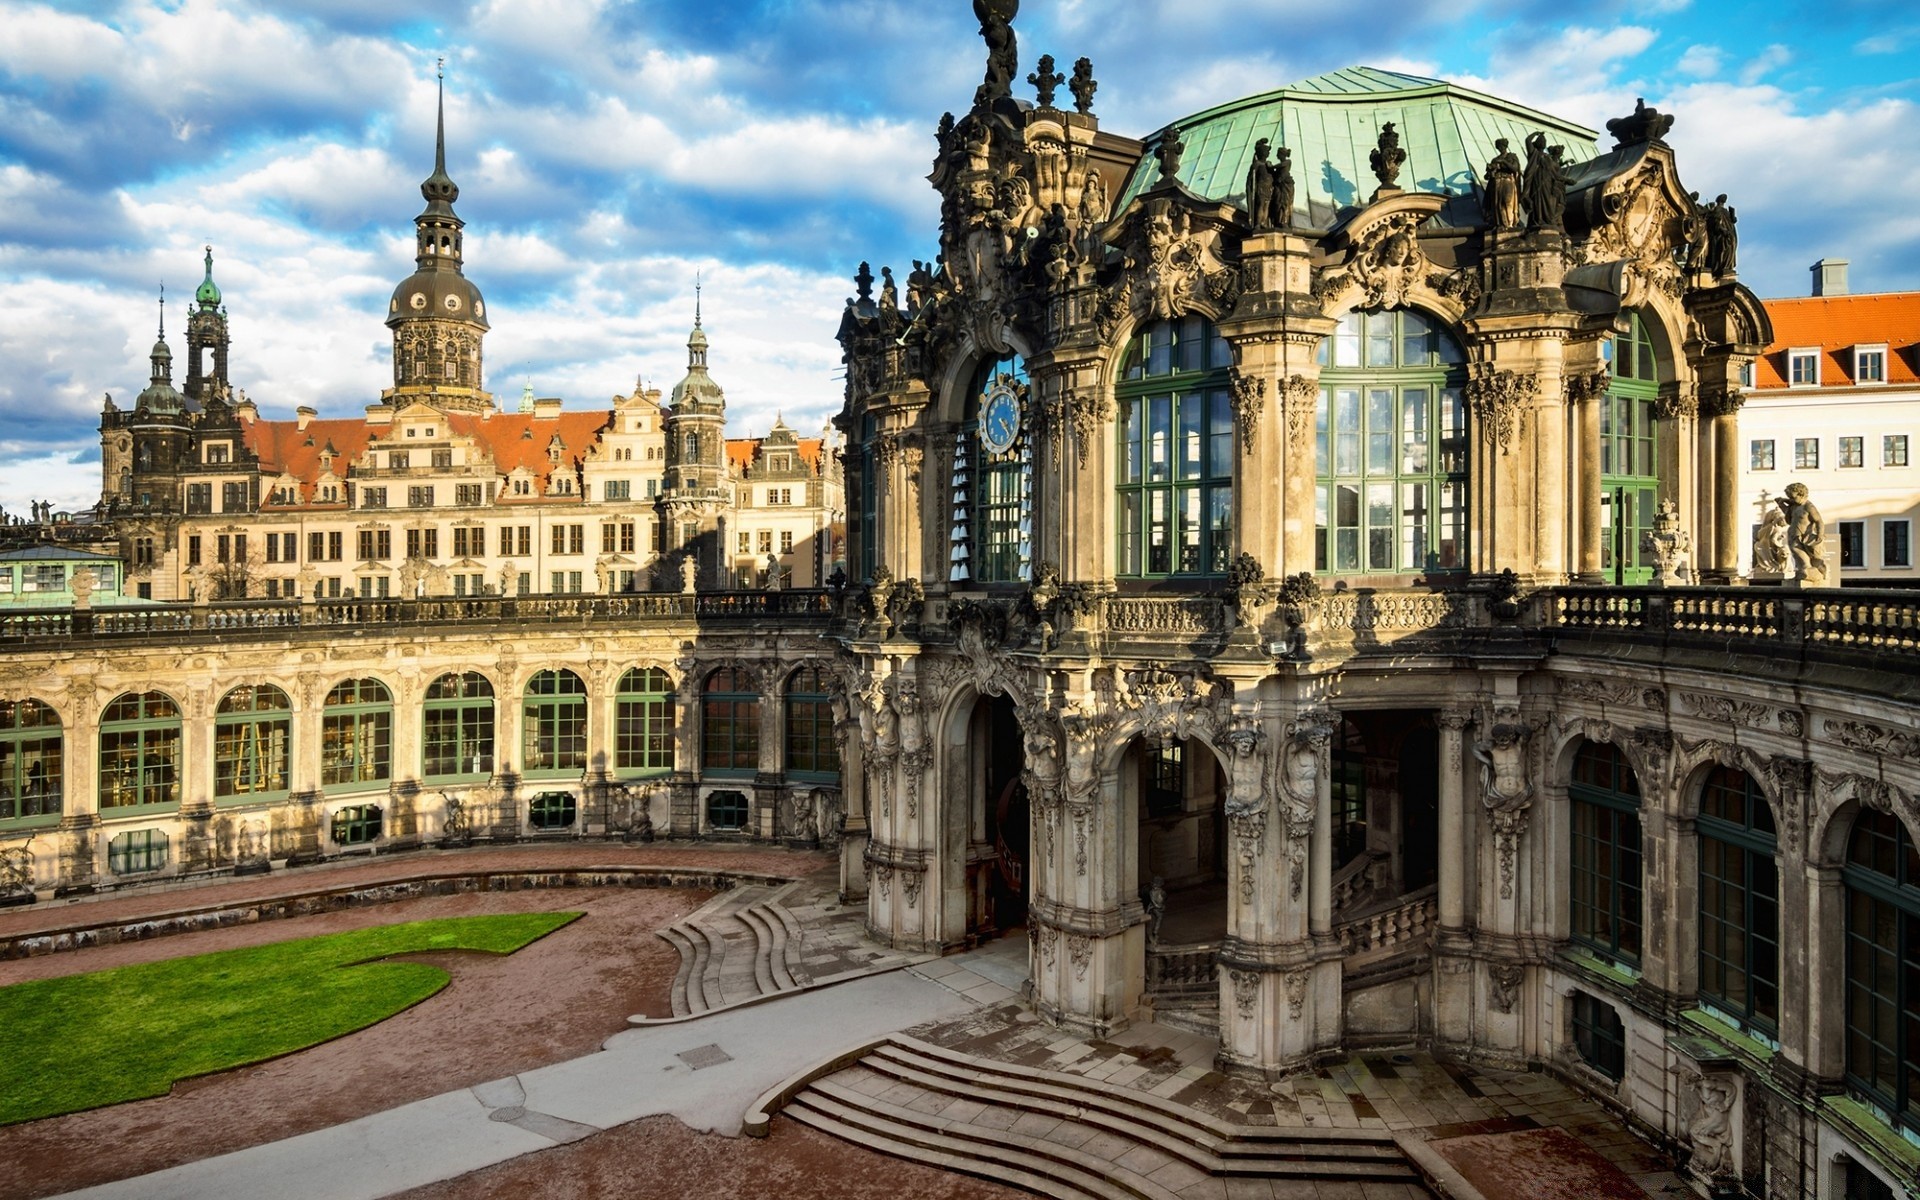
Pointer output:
x,y
1331,123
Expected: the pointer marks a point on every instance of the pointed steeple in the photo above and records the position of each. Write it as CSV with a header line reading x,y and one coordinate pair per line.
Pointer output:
x,y
439,188
208,295
162,353
697,340
159,398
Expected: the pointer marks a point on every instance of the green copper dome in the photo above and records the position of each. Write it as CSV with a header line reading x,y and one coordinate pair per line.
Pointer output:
x,y
208,293
1331,124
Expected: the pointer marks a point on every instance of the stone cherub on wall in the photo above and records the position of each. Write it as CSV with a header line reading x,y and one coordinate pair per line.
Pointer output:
x,y
1804,533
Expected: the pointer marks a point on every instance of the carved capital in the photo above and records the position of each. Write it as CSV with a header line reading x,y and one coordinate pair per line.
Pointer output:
x,y
1249,396
1500,400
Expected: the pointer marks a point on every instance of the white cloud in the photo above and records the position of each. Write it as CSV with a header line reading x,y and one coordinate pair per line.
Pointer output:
x,y
1881,43
1701,62
1765,63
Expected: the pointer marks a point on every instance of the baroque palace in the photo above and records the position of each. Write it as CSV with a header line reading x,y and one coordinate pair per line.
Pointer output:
x,y
1298,581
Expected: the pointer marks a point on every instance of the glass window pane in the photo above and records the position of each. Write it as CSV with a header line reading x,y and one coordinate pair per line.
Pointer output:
x,y
1159,439
1130,441
1193,412
1380,429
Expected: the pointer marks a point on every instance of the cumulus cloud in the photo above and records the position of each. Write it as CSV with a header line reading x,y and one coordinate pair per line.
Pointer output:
x,y
1701,62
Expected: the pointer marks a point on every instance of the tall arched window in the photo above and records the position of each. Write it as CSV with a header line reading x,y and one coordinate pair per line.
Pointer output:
x,y
1629,460
1739,902
356,736
1882,878
643,723
998,508
457,740
1175,477
251,732
554,725
730,722
31,758
811,751
1605,875
140,751
1390,447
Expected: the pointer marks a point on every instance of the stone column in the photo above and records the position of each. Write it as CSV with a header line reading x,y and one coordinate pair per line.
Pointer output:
x,y
853,792
1825,1040
1587,486
1452,814
1720,409
77,845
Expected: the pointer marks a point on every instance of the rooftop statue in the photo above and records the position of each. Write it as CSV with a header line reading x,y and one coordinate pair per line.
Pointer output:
x,y
1388,157
1003,49
1642,125
1083,86
1723,240
1544,186
1046,80
1501,201
1283,189
1260,188
1805,530
1169,152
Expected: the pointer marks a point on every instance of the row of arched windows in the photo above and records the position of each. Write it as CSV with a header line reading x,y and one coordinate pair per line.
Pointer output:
x,y
1391,454
142,737
1738,915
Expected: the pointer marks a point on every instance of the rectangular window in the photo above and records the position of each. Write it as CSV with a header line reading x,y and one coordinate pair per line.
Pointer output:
x,y
443,458
137,852
1893,450
607,538
745,542
143,552
1896,543
467,495
420,497
400,460
6,579
234,497
1853,452
1598,1036
1853,543
559,533
373,497
786,541
626,537
558,582
193,549
1760,455
1803,368
1870,366
766,541
618,489
199,498
576,539
1806,454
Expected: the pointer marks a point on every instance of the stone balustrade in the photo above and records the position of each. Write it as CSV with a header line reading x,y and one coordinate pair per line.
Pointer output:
x,y
1189,970
1403,927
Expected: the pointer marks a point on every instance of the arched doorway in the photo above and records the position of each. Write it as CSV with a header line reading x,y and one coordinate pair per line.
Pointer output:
x,y
998,825
1180,796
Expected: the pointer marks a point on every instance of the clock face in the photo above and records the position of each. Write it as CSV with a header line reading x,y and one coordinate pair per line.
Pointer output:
x,y
1000,419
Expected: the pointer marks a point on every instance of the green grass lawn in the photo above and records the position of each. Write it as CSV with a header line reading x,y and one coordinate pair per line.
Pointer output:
x,y
125,1034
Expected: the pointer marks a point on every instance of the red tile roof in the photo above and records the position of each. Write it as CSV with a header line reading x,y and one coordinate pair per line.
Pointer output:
x,y
741,452
1837,324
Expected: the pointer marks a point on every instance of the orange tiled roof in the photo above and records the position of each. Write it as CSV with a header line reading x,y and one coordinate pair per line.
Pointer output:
x,y
741,452
1837,324
514,440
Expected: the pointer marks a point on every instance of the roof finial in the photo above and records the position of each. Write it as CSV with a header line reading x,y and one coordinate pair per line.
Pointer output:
x,y
440,130
163,312
696,299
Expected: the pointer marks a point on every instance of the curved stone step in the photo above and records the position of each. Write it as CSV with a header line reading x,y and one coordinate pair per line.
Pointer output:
x,y
795,944
765,949
684,947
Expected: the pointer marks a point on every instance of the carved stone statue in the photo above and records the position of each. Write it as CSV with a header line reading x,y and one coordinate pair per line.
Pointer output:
x,y
1046,80
1723,240
1501,201
1770,541
1669,544
1804,533
1387,158
509,579
83,583
889,294
1155,903
454,825
773,571
1260,188
1083,86
689,573
1503,767
1169,153
1003,49
1693,234
1283,189
1643,125
1711,1130
16,872
1544,186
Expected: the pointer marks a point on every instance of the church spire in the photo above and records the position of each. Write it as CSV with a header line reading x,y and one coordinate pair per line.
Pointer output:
x,y
162,353
439,188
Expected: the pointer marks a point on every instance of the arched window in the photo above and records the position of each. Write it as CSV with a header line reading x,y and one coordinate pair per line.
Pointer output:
x,y
730,722
1606,883
458,741
643,723
251,732
995,490
1882,879
356,736
811,750
1175,478
1390,447
140,751
554,725
1739,903
31,758
1629,460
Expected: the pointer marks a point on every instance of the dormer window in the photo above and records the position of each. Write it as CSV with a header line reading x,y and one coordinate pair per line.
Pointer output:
x,y
219,452
1869,364
399,460
1803,368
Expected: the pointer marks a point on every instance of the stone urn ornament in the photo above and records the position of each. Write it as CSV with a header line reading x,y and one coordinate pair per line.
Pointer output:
x,y
1670,546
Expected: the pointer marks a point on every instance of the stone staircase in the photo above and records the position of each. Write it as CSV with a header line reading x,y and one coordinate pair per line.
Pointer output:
x,y
740,945
1066,1136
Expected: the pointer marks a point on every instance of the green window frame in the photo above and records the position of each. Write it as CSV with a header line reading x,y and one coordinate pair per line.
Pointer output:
x,y
1599,1036
140,746
32,763
730,723
554,725
1605,876
1739,888
1175,466
1000,508
252,732
137,852
1882,881
728,811
812,752
1391,447
358,825
356,736
643,719
1629,455
553,810
457,728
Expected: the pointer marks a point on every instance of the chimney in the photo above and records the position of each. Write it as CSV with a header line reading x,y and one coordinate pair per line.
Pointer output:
x,y
1830,277
302,415
546,408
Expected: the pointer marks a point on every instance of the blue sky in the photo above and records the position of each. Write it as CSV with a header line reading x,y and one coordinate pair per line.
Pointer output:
x,y
607,152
